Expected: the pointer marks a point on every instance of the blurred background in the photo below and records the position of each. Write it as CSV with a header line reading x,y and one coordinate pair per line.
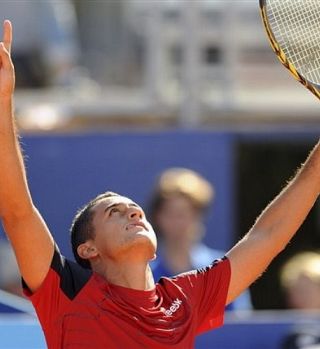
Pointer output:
x,y
110,93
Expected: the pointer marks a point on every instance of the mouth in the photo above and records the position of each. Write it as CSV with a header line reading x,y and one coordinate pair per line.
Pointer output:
x,y
137,224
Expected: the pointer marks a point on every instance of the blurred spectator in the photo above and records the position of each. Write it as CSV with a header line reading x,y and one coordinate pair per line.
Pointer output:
x,y
45,48
178,205
300,280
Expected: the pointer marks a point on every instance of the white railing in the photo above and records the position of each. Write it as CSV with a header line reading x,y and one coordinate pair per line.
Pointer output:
x,y
243,79
16,302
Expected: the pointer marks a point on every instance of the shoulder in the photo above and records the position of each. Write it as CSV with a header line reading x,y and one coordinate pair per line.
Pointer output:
x,y
64,275
219,268
72,276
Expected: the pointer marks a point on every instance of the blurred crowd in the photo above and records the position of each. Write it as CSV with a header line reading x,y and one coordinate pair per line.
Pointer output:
x,y
300,281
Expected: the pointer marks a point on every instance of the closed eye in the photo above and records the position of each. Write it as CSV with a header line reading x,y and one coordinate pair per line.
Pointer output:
x,y
120,207
113,210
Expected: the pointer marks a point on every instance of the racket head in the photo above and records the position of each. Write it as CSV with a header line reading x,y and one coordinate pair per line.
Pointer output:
x,y
288,60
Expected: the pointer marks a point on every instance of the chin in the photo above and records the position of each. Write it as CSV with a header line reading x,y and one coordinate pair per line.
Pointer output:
x,y
144,241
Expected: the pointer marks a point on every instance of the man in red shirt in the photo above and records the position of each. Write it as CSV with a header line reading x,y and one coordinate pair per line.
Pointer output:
x,y
109,299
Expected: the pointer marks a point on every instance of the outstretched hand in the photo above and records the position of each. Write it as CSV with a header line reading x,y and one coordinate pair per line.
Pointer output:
x,y
7,77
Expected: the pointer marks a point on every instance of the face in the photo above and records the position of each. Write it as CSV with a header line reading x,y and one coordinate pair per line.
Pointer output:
x,y
122,230
304,294
178,219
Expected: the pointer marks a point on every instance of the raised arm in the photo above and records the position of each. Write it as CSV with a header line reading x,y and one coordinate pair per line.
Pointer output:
x,y
29,236
275,226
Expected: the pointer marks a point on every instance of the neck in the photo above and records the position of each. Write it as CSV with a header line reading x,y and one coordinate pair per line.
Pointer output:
x,y
135,275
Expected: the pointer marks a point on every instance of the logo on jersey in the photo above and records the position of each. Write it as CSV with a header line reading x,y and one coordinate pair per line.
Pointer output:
x,y
173,308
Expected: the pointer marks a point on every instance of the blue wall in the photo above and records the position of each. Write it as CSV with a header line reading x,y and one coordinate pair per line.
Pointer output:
x,y
65,171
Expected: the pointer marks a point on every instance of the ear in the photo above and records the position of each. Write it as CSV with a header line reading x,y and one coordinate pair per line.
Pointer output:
x,y
87,250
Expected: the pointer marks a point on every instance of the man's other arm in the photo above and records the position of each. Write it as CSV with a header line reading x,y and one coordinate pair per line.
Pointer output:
x,y
275,226
26,230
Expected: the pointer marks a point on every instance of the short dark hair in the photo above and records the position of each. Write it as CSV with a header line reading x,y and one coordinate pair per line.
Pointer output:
x,y
82,228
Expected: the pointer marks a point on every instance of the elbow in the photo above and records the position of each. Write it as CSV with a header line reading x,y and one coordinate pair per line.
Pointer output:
x,y
272,240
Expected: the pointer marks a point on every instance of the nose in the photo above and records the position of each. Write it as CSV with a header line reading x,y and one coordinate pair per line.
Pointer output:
x,y
135,212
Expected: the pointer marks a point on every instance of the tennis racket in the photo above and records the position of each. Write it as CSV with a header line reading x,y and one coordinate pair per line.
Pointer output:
x,y
293,29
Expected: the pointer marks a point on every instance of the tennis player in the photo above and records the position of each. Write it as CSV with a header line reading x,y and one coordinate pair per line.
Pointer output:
x,y
109,299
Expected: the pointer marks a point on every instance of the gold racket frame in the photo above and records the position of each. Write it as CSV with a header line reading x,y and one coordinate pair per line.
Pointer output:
x,y
281,55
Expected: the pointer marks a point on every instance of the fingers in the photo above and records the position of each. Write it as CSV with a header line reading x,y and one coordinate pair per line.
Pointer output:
x,y
7,35
5,60
5,45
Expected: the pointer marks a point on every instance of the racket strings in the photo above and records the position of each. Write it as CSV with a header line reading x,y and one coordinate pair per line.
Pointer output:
x,y
296,27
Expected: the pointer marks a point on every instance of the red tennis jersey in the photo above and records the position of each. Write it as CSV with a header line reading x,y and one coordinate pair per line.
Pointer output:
x,y
79,309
